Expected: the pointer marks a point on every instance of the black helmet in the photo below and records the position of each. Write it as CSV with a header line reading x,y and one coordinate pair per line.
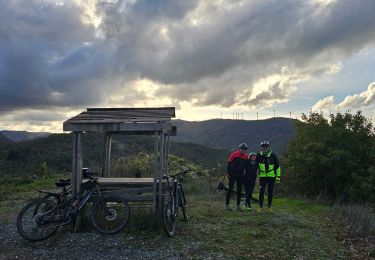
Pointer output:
x,y
243,146
86,173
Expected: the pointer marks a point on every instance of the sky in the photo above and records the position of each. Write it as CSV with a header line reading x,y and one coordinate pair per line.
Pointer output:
x,y
209,59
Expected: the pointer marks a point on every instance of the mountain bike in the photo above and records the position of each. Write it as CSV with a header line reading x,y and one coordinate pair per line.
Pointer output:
x,y
41,218
174,197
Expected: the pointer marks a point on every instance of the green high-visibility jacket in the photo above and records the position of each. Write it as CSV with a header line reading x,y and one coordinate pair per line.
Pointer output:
x,y
268,164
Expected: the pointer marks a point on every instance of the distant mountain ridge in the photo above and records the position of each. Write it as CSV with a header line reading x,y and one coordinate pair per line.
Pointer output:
x,y
17,136
227,133
216,133
4,139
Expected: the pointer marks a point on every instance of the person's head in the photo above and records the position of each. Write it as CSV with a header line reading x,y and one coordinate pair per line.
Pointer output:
x,y
265,145
252,156
243,148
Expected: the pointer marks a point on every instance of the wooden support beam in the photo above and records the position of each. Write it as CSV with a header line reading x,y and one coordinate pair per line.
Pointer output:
x,y
108,149
161,170
129,191
77,163
155,170
166,151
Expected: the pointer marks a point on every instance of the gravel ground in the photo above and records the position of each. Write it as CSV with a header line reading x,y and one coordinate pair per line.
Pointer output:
x,y
84,245
66,245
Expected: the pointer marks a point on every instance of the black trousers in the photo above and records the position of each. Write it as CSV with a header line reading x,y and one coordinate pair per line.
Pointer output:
x,y
266,181
249,183
232,179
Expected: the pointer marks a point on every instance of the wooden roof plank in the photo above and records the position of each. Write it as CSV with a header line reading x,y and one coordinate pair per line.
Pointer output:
x,y
122,120
168,111
117,127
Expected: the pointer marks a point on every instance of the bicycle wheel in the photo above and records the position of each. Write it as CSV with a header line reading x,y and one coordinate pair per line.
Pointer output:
x,y
110,215
182,204
32,221
169,217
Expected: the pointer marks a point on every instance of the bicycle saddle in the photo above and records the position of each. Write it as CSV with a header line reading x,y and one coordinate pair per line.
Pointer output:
x,y
62,183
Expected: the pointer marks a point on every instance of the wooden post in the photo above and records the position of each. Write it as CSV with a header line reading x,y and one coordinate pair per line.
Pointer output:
x,y
161,169
155,170
167,146
77,163
107,162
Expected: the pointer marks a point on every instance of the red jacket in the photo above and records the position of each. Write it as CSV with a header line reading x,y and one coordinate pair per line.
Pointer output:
x,y
237,163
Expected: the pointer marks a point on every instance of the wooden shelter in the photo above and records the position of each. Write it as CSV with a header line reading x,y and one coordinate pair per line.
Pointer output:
x,y
128,121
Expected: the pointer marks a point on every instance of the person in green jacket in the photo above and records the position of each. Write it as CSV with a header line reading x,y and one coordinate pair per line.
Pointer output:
x,y
269,172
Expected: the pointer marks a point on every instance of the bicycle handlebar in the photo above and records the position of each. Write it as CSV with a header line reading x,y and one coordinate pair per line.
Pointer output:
x,y
174,176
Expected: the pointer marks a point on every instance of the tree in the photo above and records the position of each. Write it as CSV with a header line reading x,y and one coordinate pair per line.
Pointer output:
x,y
334,157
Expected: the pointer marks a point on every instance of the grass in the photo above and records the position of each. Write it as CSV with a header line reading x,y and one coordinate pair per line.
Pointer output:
x,y
361,218
24,187
295,230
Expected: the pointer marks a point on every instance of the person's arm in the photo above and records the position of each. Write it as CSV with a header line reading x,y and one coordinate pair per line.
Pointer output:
x,y
257,161
277,169
276,164
229,165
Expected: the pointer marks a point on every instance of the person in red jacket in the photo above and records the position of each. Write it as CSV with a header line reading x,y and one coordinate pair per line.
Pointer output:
x,y
237,162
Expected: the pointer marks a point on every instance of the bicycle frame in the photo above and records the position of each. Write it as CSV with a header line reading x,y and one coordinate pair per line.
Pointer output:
x,y
178,197
70,207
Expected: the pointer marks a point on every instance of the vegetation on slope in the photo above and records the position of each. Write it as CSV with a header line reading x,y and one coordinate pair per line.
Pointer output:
x,y
55,153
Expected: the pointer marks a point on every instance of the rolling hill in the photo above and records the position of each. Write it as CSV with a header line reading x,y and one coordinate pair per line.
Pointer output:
x,y
216,133
227,134
205,143
4,139
17,136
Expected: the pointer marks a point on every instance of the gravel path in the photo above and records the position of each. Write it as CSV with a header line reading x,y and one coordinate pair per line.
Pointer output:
x,y
68,245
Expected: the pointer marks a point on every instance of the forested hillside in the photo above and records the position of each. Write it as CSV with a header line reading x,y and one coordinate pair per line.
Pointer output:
x,y
55,153
227,134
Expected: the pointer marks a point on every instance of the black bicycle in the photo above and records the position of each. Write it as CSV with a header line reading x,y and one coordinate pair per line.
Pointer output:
x,y
174,197
41,218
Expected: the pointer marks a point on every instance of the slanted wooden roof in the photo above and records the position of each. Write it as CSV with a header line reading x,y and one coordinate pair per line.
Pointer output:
x,y
122,120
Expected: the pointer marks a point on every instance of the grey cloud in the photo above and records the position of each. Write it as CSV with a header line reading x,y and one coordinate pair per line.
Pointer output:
x,y
275,93
32,36
49,57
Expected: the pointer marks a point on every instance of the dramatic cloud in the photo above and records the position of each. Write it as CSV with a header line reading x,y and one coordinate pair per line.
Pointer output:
x,y
326,104
64,54
355,102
